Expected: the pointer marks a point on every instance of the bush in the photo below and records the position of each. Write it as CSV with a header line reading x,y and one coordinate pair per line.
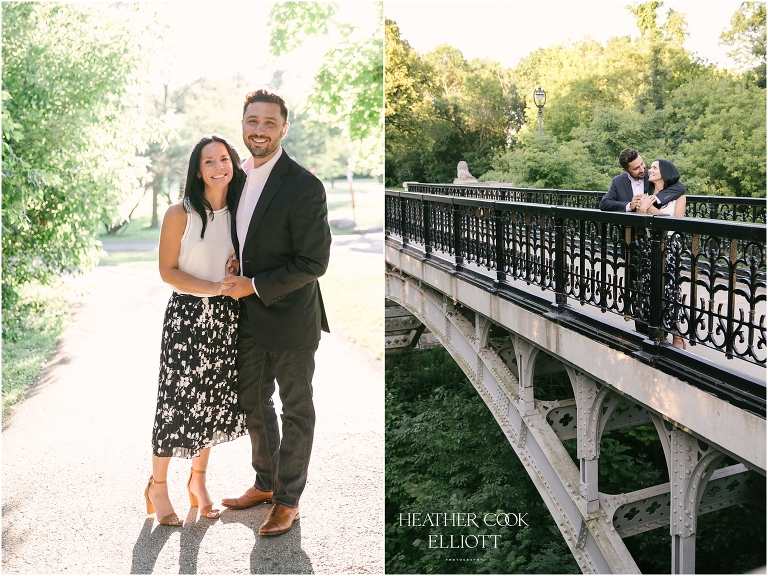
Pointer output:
x,y
31,328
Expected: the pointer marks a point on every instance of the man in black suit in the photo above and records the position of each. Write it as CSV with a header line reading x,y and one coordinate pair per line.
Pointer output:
x,y
626,188
280,232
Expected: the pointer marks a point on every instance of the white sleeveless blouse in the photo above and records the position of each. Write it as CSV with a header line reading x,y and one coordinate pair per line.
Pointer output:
x,y
669,208
206,258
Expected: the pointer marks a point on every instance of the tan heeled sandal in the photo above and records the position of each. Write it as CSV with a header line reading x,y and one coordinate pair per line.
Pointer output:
x,y
205,510
171,519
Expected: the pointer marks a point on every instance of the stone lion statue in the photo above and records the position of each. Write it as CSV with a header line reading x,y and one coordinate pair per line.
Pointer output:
x,y
463,174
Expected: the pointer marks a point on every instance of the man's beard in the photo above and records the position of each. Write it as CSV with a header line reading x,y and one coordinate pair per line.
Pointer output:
x,y
262,152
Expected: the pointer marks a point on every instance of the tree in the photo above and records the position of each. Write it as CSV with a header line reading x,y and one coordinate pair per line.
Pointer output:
x,y
710,123
476,107
612,129
747,37
446,453
661,46
318,145
73,123
349,86
715,127
442,109
545,163
408,110
185,114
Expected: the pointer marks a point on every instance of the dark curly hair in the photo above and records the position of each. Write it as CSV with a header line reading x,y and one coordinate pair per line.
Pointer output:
x,y
626,156
262,95
194,189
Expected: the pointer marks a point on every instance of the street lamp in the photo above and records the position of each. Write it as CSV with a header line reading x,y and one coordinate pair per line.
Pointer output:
x,y
539,98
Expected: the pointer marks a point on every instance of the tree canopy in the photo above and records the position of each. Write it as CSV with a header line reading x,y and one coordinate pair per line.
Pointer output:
x,y
73,127
348,88
746,36
441,109
648,93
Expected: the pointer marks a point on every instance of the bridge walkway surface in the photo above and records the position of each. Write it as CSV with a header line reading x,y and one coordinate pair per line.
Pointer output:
x,y
76,458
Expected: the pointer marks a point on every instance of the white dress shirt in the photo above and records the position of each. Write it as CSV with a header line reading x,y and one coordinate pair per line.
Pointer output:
x,y
254,186
638,187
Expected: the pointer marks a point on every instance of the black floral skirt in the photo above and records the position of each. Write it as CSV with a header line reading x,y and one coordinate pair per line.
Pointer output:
x,y
197,393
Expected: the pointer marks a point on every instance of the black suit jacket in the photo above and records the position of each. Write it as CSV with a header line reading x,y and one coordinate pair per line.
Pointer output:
x,y
286,250
620,193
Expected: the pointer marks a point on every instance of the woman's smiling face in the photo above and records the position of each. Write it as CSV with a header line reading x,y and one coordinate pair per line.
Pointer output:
x,y
215,165
654,172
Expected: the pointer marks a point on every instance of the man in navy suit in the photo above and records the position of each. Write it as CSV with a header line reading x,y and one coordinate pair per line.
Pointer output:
x,y
280,232
626,189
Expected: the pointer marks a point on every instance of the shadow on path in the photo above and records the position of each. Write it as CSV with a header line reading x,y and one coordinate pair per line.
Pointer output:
x,y
275,554
149,545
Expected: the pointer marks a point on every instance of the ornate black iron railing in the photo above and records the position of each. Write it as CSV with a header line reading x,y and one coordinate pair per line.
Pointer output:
x,y
701,279
715,207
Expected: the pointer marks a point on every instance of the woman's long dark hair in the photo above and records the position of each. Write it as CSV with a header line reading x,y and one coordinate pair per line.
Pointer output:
x,y
194,189
669,173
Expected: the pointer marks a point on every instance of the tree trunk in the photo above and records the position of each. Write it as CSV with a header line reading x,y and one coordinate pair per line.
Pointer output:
x,y
155,191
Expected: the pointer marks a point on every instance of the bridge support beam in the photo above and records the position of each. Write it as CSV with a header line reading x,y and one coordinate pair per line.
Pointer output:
x,y
691,464
594,405
525,352
594,544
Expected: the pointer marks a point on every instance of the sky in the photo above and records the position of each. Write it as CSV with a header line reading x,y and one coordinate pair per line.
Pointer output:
x,y
197,47
505,31
509,31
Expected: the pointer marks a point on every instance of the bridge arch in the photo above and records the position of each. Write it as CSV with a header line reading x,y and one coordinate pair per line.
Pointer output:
x,y
592,523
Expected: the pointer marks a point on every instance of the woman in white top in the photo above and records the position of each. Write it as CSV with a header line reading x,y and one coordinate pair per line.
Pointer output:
x,y
662,174
197,390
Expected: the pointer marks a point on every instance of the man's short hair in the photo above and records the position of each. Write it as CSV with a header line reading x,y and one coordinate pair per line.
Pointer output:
x,y
262,95
626,156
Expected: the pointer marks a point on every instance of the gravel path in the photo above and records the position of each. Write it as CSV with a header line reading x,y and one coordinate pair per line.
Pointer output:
x,y
76,458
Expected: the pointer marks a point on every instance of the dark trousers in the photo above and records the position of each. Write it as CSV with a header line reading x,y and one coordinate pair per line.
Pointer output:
x,y
639,270
280,465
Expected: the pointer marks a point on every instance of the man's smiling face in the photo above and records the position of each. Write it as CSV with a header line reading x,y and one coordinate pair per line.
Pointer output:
x,y
636,168
263,128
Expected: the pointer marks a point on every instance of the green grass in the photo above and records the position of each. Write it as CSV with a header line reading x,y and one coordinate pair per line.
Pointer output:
x,y
369,204
353,294
142,258
138,230
30,332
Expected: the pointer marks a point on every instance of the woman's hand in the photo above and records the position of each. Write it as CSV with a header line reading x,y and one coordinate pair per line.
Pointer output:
x,y
646,202
237,287
232,268
225,284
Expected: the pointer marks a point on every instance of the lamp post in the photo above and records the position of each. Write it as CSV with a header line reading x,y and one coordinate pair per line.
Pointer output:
x,y
539,98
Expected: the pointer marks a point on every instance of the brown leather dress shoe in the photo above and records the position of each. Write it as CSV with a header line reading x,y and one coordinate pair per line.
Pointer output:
x,y
279,520
251,497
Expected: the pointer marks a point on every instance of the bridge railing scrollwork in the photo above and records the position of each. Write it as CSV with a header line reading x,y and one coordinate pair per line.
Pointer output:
x,y
715,207
701,279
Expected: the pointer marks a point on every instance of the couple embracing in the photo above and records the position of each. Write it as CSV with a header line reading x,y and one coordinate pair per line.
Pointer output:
x,y
243,252
658,191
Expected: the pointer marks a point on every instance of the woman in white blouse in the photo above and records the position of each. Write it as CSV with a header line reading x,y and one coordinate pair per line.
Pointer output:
x,y
197,404
663,174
